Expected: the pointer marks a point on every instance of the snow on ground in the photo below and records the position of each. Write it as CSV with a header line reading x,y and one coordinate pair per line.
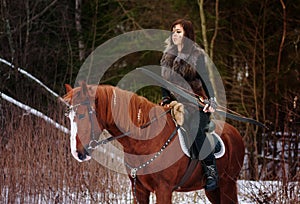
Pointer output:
x,y
250,192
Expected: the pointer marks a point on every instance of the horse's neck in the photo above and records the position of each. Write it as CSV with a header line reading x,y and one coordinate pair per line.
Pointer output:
x,y
127,113
128,110
120,108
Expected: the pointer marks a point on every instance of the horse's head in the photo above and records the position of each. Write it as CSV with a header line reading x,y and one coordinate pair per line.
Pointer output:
x,y
84,125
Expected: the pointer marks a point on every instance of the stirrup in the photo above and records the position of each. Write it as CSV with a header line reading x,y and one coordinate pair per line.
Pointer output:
x,y
211,174
211,184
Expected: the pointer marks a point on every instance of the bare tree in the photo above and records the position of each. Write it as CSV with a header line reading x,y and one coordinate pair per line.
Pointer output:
x,y
277,92
81,46
209,49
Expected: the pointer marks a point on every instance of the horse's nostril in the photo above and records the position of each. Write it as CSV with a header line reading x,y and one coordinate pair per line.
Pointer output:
x,y
81,156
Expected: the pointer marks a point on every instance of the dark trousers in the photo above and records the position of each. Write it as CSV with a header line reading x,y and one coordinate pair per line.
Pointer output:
x,y
196,124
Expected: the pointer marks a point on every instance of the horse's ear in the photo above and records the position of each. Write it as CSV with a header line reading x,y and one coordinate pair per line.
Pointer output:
x,y
84,89
68,88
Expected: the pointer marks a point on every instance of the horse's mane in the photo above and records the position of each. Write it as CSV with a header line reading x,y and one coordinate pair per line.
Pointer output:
x,y
124,109
127,109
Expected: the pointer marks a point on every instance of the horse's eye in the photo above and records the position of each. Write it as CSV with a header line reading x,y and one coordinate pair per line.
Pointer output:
x,y
81,116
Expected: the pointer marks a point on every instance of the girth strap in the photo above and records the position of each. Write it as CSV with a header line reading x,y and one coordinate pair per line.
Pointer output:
x,y
189,171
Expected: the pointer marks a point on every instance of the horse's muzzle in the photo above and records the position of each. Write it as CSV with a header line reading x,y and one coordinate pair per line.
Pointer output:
x,y
83,155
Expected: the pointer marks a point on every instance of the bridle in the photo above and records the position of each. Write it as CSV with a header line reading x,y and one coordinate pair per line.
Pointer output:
x,y
95,142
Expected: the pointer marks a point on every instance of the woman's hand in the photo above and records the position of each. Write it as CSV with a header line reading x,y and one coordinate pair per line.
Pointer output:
x,y
165,101
208,108
211,106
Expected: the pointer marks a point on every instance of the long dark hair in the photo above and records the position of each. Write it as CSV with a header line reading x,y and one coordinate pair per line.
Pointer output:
x,y
188,32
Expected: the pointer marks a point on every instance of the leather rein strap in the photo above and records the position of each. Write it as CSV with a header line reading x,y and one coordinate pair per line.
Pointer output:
x,y
94,143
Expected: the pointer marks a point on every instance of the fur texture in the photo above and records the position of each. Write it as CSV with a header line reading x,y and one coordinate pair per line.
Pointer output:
x,y
176,66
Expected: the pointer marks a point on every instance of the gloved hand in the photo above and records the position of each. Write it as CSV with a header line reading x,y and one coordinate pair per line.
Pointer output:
x,y
211,105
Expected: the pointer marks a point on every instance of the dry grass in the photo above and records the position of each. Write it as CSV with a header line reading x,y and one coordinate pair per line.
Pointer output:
x,y
37,165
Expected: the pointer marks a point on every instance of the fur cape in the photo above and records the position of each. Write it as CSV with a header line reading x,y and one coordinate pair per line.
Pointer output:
x,y
183,68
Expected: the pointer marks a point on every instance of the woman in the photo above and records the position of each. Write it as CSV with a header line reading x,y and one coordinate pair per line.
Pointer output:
x,y
183,63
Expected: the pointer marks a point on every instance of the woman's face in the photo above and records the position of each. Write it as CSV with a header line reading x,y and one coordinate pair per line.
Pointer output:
x,y
178,34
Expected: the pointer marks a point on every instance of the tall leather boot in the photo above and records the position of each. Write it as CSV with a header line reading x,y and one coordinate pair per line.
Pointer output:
x,y
210,172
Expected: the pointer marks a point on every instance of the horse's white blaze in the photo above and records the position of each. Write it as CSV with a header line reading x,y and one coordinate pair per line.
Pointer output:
x,y
73,137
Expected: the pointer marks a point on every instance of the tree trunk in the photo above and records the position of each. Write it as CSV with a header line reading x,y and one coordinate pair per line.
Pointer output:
x,y
205,42
81,46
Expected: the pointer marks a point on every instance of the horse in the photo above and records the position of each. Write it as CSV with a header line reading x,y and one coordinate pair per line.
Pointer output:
x,y
152,153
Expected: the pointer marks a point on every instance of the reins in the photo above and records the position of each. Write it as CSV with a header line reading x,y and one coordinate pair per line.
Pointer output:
x,y
94,143
112,138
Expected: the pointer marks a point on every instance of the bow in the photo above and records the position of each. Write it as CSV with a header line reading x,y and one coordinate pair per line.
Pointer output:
x,y
172,87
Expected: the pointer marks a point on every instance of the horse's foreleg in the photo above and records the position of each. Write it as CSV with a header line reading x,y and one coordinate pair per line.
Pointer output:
x,y
213,196
163,196
140,194
228,192
225,194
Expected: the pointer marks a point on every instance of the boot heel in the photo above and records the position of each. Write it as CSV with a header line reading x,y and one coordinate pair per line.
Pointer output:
x,y
211,174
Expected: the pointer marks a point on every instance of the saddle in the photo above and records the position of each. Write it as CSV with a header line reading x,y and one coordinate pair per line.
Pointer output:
x,y
192,152
213,139
187,143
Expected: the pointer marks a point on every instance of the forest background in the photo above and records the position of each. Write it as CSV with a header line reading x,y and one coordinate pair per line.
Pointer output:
x,y
253,43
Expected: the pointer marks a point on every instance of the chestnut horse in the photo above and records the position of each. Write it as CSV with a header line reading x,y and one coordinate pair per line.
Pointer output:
x,y
152,154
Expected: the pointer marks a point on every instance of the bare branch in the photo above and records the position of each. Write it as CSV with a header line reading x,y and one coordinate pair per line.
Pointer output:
x,y
203,25
81,46
35,112
8,31
129,16
212,42
36,16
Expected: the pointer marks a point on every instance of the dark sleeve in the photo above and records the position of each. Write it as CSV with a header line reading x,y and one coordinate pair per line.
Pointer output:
x,y
202,69
165,93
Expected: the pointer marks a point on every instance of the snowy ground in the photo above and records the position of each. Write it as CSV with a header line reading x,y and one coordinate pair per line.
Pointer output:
x,y
250,192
